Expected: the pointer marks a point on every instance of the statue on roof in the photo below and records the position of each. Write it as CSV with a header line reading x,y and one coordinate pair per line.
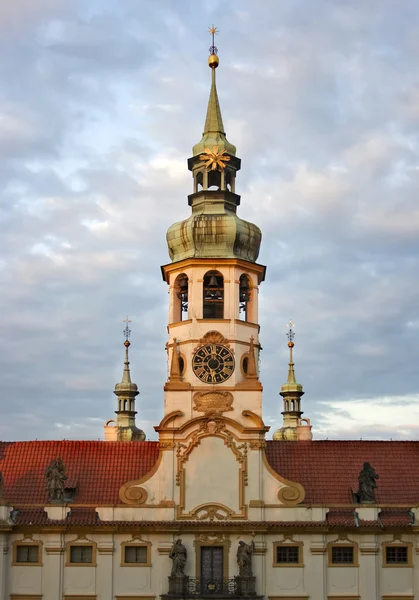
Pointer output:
x,y
367,484
179,555
244,558
55,475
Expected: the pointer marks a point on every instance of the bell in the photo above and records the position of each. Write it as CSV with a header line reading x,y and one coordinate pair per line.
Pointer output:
x,y
244,290
183,284
213,283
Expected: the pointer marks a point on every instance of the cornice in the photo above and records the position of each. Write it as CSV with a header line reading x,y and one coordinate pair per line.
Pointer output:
x,y
213,264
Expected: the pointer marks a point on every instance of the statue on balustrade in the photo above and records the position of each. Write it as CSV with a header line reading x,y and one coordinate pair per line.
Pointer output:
x,y
244,559
179,555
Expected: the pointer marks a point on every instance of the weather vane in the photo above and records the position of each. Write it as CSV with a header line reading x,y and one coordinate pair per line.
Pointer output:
x,y
290,332
213,31
127,330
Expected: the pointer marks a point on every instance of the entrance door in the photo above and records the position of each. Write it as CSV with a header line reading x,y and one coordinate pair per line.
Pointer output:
x,y
212,569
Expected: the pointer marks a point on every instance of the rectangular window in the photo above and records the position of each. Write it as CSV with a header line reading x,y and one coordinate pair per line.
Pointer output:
x,y
288,554
27,554
136,554
81,554
342,555
397,555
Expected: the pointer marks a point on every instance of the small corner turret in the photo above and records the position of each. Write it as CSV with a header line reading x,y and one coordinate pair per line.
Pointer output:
x,y
125,430
293,428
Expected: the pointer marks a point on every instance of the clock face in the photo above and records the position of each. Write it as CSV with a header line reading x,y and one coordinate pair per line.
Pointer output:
x,y
213,363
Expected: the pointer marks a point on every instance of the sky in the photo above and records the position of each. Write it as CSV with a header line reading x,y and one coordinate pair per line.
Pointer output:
x,y
101,102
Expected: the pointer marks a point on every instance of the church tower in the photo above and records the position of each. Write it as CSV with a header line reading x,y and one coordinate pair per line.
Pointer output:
x,y
213,346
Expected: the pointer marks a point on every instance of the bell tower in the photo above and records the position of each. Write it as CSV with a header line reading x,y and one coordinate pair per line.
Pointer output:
x,y
213,346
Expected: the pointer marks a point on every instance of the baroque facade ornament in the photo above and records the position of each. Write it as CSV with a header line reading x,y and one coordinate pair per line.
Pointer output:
x,y
213,403
212,539
206,428
136,495
212,512
212,337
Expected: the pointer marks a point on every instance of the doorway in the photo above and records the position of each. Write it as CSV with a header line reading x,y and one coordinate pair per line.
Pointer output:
x,y
212,569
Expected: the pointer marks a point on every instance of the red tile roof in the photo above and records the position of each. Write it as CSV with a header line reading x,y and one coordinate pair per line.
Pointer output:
x,y
38,516
96,469
342,517
329,470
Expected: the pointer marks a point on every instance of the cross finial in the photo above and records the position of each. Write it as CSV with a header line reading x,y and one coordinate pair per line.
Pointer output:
x,y
213,32
127,330
290,332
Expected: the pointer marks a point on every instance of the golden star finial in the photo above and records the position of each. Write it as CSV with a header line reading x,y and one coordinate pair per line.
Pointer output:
x,y
214,158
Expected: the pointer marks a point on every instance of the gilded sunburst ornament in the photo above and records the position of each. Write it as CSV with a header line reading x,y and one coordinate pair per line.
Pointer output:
x,y
214,158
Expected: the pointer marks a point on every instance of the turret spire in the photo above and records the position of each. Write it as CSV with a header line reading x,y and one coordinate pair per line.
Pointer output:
x,y
291,393
214,134
126,375
126,391
290,335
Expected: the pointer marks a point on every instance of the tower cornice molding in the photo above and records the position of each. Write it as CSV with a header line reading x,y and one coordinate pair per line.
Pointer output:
x,y
213,264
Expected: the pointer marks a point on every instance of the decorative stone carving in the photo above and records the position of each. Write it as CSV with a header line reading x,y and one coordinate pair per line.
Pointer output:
x,y
179,555
257,444
213,403
211,539
244,559
212,337
136,494
212,512
367,484
55,475
290,495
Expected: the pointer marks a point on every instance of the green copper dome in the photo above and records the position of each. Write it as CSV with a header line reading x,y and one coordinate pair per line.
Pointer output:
x,y
222,235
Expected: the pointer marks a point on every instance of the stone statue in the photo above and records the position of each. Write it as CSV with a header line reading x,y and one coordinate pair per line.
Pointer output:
x,y
244,559
55,475
367,484
179,555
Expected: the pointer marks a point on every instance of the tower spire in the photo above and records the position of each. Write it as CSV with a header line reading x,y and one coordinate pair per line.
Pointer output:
x,y
126,392
214,135
291,392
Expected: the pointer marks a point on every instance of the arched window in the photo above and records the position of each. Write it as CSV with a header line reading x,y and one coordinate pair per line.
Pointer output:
x,y
245,296
213,295
181,297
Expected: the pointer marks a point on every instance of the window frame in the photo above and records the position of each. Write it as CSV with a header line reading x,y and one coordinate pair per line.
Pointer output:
x,y
298,545
136,545
18,544
79,543
332,545
408,564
